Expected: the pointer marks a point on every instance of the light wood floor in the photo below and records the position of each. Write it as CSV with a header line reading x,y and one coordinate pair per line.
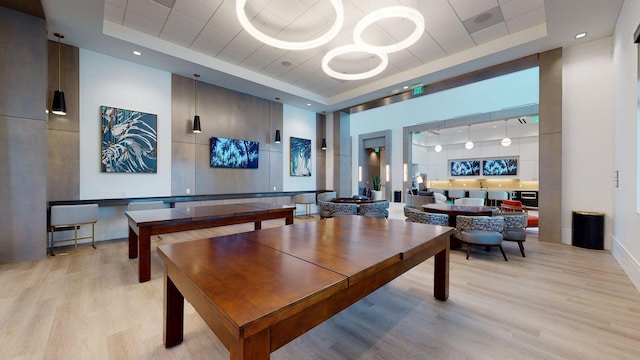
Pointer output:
x,y
560,302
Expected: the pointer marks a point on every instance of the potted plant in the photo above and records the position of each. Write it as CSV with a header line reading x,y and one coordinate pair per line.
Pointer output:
x,y
376,194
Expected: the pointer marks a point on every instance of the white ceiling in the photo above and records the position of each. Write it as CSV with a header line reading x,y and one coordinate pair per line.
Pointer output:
x,y
205,37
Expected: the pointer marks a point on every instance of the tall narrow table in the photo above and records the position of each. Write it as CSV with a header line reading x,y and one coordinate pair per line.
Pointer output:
x,y
144,223
259,290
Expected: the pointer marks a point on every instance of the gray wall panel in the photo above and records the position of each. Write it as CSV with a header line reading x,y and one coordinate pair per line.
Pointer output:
x,y
63,181
24,68
23,184
183,175
223,113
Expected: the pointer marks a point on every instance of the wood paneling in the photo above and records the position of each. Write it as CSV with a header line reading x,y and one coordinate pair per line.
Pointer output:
x,y
63,181
550,149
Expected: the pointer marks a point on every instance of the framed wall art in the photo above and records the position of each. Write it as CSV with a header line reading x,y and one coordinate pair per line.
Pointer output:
x,y
300,157
234,153
129,141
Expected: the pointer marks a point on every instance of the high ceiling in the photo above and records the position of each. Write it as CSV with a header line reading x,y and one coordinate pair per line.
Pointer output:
x,y
205,37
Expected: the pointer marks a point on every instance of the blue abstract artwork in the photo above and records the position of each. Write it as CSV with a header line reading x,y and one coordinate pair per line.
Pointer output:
x,y
300,157
129,141
234,153
465,168
500,167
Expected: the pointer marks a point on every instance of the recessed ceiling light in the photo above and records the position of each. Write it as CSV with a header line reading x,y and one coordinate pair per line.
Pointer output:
x,y
581,35
138,53
405,87
308,104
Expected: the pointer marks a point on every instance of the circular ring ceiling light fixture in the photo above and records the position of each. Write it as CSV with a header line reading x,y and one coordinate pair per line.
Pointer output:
x,y
404,12
352,48
292,45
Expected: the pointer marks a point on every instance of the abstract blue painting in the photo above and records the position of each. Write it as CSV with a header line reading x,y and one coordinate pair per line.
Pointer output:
x,y
465,168
233,153
300,157
499,167
129,141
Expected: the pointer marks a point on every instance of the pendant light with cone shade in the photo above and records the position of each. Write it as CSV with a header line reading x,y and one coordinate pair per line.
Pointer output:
x,y
196,118
59,106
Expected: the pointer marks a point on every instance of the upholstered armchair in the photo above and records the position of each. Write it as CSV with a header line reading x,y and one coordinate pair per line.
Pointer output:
x,y
516,205
480,230
515,224
422,217
378,209
330,209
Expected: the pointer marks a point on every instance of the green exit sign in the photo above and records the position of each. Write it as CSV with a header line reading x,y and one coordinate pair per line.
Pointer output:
x,y
535,118
417,90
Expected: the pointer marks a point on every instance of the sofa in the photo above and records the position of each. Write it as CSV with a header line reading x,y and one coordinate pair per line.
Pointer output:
x,y
416,199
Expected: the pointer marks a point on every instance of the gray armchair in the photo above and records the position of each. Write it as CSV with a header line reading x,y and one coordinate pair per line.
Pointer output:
x,y
423,217
330,209
379,209
480,230
515,227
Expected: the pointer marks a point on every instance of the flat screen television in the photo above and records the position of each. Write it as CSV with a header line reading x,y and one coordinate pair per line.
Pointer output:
x,y
465,167
234,153
500,167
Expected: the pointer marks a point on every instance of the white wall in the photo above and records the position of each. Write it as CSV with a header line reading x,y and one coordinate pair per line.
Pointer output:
x,y
105,80
587,132
511,90
625,244
298,123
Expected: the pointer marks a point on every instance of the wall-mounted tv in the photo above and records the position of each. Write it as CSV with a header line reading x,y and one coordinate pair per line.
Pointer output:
x,y
500,167
234,153
464,167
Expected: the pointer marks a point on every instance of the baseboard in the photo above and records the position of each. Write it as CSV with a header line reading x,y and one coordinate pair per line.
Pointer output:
x,y
629,264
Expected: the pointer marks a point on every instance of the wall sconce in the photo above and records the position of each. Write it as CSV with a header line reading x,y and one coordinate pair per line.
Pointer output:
x,y
196,118
388,173
277,139
59,106
359,173
405,172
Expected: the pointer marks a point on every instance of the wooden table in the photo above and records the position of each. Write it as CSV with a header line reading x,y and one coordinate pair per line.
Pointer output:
x,y
144,223
259,290
455,210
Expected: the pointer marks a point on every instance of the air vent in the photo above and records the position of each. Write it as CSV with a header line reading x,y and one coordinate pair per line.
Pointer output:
x,y
167,3
484,20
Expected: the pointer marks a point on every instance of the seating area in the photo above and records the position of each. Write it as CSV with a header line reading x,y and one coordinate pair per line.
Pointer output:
x,y
328,209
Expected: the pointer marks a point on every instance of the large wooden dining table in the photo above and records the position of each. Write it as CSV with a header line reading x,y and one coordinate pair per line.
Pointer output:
x,y
144,223
259,290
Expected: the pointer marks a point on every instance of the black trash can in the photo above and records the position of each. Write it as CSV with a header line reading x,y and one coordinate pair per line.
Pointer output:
x,y
397,196
587,230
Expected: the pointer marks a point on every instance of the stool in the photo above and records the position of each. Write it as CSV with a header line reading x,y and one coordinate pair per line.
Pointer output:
x,y
456,194
67,216
307,199
494,196
484,238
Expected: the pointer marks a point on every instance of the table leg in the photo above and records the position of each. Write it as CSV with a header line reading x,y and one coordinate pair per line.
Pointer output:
x,y
255,347
289,219
144,256
441,275
257,225
133,244
173,313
